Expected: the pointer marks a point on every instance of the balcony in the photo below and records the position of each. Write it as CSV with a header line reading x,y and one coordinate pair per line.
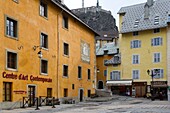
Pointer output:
x,y
116,60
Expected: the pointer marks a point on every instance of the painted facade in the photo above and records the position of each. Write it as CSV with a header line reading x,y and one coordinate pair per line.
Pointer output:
x,y
143,47
45,27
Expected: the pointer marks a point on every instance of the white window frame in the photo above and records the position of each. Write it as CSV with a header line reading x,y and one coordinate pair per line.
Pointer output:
x,y
117,75
156,57
158,41
11,69
41,41
136,44
41,65
135,59
42,9
135,74
160,74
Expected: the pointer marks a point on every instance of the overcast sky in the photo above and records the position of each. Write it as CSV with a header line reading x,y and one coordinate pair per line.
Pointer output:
x,y
112,5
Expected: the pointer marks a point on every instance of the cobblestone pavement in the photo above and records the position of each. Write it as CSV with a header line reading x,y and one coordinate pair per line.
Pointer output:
x,y
116,105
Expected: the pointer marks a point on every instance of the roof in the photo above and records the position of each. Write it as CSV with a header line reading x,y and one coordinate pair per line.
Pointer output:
x,y
111,48
132,13
68,11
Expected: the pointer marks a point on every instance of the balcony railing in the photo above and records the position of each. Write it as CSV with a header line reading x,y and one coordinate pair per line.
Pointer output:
x,y
116,60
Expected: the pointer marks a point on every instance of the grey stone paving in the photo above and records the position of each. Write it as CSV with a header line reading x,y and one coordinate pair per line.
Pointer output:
x,y
115,105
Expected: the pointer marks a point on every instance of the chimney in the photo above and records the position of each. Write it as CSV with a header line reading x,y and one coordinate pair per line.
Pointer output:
x,y
62,1
82,3
149,2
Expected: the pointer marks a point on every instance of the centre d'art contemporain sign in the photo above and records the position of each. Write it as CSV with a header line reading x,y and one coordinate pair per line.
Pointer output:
x,y
25,77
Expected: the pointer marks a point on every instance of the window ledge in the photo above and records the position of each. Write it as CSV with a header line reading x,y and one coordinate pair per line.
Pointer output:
x,y
66,55
11,37
46,74
10,69
65,76
44,17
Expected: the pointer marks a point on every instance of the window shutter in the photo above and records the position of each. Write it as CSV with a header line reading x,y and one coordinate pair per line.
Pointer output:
x,y
152,42
119,75
111,76
160,40
139,44
131,44
161,73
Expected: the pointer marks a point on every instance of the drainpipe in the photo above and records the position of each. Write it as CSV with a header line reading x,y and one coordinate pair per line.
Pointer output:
x,y
58,51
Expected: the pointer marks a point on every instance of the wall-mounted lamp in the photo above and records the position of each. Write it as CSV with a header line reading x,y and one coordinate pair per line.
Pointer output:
x,y
98,70
40,55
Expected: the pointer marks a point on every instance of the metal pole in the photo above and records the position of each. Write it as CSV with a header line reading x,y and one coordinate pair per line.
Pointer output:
x,y
37,105
23,106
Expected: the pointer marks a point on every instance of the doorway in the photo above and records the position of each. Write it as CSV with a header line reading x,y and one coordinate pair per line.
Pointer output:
x,y
100,85
81,95
31,95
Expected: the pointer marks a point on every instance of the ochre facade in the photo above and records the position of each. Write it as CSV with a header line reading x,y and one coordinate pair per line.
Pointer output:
x,y
27,44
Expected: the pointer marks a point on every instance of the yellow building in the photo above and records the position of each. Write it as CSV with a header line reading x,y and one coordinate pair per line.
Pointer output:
x,y
143,47
45,51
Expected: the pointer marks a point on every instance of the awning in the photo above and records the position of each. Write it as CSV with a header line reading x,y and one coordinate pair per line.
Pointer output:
x,y
119,83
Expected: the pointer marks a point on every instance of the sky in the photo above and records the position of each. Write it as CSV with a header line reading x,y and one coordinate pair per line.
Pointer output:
x,y
110,5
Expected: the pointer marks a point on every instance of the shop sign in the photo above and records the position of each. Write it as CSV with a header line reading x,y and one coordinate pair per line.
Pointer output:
x,y
25,77
159,82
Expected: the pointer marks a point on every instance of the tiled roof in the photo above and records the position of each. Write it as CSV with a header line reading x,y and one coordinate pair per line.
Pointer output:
x,y
109,47
160,8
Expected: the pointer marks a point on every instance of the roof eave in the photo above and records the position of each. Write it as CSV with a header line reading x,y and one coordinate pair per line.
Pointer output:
x,y
74,16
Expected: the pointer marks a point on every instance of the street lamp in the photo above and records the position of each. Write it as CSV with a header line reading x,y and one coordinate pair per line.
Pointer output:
x,y
152,73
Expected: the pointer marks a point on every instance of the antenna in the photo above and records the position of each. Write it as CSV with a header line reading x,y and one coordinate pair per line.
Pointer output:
x,y
97,3
82,3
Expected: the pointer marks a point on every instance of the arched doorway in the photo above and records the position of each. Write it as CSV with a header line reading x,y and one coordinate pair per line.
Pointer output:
x,y
100,85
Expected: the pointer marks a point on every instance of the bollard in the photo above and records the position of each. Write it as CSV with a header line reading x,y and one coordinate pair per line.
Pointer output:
x,y
23,105
40,101
53,102
37,105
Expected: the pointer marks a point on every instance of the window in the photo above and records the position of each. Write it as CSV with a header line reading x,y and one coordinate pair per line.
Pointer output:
x,y
43,9
79,72
115,75
105,72
11,60
44,40
65,92
44,67
72,86
66,49
160,73
105,62
135,59
89,74
65,70
136,33
88,93
65,22
49,92
135,44
136,23
156,30
157,57
11,27
156,41
7,91
156,20
135,74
